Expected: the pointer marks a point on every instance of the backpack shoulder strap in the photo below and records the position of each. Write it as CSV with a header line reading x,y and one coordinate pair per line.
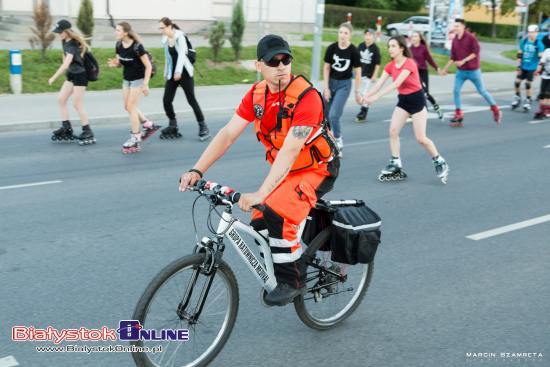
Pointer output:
x,y
296,90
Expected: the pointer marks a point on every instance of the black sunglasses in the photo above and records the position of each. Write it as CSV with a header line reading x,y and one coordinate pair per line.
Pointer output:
x,y
286,59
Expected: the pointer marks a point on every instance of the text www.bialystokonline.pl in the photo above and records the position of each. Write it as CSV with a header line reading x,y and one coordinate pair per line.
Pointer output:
x,y
119,348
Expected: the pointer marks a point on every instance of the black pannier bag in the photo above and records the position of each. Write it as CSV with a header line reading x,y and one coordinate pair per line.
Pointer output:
x,y
355,234
317,220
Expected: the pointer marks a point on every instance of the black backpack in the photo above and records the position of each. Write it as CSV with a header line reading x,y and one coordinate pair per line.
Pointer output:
x,y
91,66
191,53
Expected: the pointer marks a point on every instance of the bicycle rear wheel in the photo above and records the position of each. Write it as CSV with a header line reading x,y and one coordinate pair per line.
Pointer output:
x,y
334,290
161,307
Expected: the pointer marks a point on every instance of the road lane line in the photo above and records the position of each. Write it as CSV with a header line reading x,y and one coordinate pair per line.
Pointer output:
x,y
449,114
533,122
29,185
8,361
366,142
509,228
546,146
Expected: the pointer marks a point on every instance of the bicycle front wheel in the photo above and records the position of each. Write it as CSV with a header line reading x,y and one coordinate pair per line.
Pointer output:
x,y
164,305
334,290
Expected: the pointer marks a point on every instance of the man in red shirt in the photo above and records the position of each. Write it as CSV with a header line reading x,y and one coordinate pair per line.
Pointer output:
x,y
288,119
465,55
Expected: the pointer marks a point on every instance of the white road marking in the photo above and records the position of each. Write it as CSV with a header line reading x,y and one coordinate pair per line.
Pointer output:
x,y
29,185
466,109
8,361
366,142
546,146
533,122
509,228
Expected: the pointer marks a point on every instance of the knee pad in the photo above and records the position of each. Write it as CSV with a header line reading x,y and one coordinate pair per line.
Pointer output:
x,y
527,85
517,83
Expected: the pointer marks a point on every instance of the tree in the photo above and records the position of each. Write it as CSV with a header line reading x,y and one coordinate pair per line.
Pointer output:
x,y
506,7
237,29
217,39
344,2
43,37
406,5
85,21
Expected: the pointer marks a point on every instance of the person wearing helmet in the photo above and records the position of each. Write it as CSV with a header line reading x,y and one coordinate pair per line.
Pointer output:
x,y
528,56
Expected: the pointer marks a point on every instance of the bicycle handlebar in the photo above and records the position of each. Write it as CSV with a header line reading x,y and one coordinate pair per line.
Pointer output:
x,y
224,192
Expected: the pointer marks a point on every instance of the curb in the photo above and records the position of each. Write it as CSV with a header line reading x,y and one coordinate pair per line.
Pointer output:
x,y
122,119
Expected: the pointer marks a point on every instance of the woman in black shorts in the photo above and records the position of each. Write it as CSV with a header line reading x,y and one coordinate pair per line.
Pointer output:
x,y
137,69
411,102
74,48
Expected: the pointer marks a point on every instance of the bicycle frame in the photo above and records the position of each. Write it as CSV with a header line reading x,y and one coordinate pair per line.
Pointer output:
x,y
262,270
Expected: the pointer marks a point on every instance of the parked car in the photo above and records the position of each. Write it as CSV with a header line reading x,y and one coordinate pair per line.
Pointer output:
x,y
419,24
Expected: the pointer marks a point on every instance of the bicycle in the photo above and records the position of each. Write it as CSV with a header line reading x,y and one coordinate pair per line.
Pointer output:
x,y
199,292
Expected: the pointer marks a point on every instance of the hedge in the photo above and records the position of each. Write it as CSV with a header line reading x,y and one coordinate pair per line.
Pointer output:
x,y
366,18
484,29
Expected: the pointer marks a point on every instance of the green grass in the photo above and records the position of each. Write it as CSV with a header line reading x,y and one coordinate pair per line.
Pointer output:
x,y
507,41
511,54
36,71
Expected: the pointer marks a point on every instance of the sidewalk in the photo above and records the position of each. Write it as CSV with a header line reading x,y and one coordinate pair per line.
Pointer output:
x,y
40,111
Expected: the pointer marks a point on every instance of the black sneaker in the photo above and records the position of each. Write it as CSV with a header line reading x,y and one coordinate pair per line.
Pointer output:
x,y
282,295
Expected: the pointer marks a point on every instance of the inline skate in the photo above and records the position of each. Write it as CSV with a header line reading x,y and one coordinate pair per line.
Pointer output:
x,y
86,137
392,172
64,133
171,131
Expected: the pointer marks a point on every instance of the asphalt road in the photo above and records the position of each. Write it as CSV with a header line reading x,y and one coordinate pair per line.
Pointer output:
x,y
80,252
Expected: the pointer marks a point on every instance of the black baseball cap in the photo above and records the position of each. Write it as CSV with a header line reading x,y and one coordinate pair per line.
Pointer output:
x,y
62,25
270,46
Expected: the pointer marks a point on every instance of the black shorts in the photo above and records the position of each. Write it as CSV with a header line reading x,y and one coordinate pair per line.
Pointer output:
x,y
526,75
412,103
78,80
544,89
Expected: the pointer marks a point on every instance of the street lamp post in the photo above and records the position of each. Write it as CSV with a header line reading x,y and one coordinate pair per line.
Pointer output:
x,y
317,37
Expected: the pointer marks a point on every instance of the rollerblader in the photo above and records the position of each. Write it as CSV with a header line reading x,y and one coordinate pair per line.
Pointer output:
x,y
74,47
178,72
465,55
544,95
370,66
137,70
297,178
411,102
422,56
528,56
342,60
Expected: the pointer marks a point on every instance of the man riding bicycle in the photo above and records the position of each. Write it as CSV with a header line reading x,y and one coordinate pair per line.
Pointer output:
x,y
289,121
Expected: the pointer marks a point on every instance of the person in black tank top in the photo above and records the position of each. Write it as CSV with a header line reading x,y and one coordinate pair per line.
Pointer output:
x,y
137,69
74,48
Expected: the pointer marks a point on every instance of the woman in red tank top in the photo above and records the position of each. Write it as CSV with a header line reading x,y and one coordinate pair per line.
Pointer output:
x,y
411,102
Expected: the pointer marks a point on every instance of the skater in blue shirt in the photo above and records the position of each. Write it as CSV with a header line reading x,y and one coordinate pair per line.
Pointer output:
x,y
528,58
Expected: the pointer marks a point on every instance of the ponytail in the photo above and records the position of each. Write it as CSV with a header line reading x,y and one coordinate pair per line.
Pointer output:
x,y
168,22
